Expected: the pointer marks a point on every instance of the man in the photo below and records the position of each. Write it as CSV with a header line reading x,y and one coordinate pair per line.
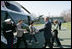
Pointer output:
x,y
8,29
32,33
20,34
47,33
60,24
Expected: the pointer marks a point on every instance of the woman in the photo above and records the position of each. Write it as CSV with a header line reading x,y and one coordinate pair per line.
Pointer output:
x,y
20,34
55,31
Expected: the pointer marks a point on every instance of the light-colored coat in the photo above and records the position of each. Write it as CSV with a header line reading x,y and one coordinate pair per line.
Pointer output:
x,y
55,27
20,31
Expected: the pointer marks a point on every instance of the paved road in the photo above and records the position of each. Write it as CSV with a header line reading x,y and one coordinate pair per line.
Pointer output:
x,y
64,36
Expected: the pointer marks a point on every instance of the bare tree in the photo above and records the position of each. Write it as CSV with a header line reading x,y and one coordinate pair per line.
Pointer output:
x,y
67,15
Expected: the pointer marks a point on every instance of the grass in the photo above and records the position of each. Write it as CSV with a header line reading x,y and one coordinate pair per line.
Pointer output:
x,y
38,24
67,25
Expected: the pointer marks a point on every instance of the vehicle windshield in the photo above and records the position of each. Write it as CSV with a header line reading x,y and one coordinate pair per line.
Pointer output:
x,y
12,7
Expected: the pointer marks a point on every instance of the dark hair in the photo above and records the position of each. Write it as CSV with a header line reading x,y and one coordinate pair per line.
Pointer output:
x,y
20,20
55,21
47,17
31,22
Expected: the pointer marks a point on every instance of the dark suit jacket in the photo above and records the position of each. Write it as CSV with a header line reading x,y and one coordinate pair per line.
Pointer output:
x,y
47,30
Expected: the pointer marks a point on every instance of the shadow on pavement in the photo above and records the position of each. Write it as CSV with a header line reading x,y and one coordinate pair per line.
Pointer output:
x,y
64,39
69,46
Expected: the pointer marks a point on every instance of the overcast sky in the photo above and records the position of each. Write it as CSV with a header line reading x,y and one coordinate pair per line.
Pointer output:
x,y
46,7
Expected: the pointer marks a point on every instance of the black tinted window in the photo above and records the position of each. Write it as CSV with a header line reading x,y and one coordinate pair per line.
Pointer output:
x,y
12,7
3,15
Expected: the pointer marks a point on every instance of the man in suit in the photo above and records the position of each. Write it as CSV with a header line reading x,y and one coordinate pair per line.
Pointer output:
x,y
47,33
20,34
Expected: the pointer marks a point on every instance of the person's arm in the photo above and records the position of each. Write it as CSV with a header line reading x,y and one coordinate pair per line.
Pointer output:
x,y
47,27
52,27
20,29
31,29
43,28
14,27
4,27
4,30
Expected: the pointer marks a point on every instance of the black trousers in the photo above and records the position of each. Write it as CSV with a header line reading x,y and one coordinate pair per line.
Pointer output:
x,y
10,39
49,43
9,42
19,39
55,37
32,36
59,27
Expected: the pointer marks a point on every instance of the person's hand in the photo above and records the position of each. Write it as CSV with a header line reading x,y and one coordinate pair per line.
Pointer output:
x,y
52,30
25,31
37,30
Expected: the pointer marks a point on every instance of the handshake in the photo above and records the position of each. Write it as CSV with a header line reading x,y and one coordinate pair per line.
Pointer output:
x,y
25,31
37,30
40,30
